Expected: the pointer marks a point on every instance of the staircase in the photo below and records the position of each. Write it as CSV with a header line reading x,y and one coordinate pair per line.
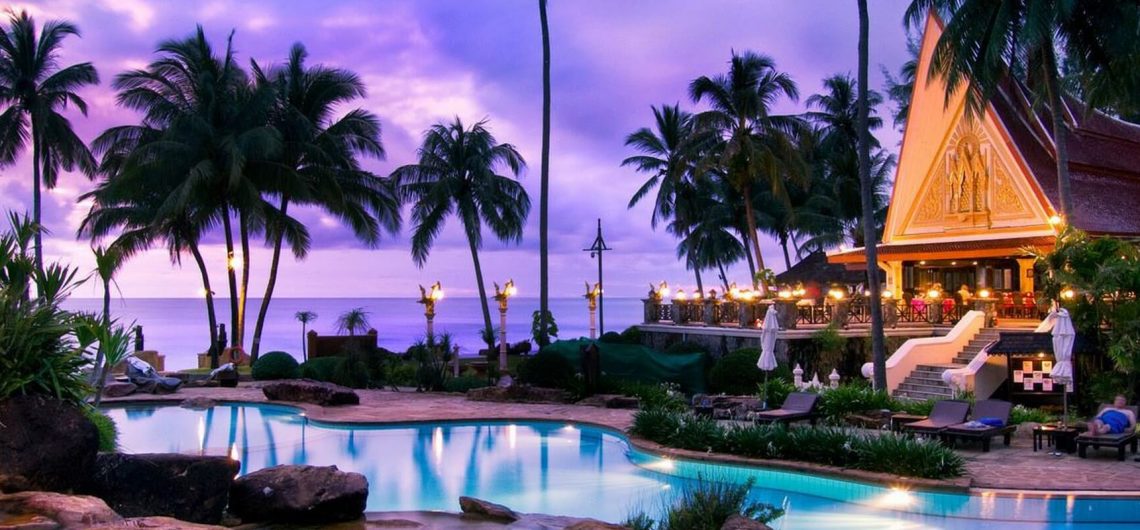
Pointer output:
x,y
925,382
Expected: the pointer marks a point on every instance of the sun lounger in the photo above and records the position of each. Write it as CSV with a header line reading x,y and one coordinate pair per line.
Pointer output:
x,y
944,414
1116,441
977,431
148,379
799,406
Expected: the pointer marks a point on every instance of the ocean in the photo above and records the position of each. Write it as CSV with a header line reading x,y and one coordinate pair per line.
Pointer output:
x,y
176,327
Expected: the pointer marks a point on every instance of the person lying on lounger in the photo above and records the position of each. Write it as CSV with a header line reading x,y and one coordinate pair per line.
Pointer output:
x,y
1116,419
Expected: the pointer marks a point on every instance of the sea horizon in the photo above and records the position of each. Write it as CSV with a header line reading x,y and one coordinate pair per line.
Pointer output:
x,y
177,326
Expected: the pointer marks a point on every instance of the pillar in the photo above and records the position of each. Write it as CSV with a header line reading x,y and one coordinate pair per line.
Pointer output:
x,y
892,276
1025,270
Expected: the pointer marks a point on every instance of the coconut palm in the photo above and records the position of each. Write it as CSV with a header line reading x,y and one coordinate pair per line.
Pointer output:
x,y
319,162
754,148
304,317
544,318
863,124
709,241
35,90
984,40
899,89
457,173
108,260
666,155
353,321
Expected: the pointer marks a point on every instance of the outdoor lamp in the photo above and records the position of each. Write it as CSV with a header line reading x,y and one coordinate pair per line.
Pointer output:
x,y
733,291
436,292
233,261
680,295
1068,293
887,294
663,289
1056,220
934,293
984,293
799,291
836,294
784,293
501,296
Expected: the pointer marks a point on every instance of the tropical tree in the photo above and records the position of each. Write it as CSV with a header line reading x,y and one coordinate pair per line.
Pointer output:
x,y
353,321
545,319
754,147
666,156
304,317
36,90
709,241
863,126
900,89
107,264
457,173
319,162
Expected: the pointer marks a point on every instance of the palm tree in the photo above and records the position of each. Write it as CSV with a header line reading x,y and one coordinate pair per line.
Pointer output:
x,y
36,89
457,174
544,314
899,89
754,145
985,40
319,162
863,126
304,317
108,260
353,321
666,155
708,242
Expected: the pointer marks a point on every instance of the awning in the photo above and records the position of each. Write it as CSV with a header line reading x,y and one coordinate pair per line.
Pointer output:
x,y
969,249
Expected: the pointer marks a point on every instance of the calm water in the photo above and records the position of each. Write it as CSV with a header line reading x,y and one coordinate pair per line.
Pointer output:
x,y
569,470
177,327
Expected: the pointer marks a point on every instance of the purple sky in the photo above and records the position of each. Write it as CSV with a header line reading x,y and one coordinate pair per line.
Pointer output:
x,y
427,61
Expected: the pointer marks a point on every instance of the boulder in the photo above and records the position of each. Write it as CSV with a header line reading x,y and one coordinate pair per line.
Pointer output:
x,y
519,394
309,391
591,524
740,522
45,445
155,523
486,510
117,389
610,401
59,510
309,494
198,403
186,487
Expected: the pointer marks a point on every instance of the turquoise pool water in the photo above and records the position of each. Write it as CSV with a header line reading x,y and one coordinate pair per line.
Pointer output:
x,y
570,469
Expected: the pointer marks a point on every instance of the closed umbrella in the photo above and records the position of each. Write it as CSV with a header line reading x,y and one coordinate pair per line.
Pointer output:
x,y
1063,337
768,334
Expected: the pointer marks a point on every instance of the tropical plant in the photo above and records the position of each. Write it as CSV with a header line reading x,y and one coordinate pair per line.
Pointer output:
x,y
457,173
432,356
547,370
318,163
304,317
900,89
108,431
36,89
543,329
114,347
353,321
546,327
275,365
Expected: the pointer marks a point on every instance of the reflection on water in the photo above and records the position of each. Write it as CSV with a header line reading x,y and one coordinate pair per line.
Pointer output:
x,y
556,468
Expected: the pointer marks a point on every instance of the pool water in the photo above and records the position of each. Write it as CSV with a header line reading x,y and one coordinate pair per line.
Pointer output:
x,y
568,469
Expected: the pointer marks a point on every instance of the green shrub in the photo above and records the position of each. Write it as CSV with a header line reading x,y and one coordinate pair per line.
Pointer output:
x,y
354,371
835,404
464,383
403,374
736,373
320,368
919,408
754,441
631,335
108,431
906,456
709,504
275,365
612,337
547,369
697,433
821,445
775,390
656,425
685,347
656,396
1022,414
433,357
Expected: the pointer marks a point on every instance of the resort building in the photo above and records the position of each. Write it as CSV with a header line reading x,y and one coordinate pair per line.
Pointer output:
x,y
974,192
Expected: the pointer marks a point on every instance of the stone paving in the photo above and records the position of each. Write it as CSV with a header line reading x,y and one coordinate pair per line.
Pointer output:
x,y
1015,468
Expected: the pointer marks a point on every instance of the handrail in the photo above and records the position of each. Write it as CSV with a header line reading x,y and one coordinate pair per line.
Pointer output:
x,y
929,350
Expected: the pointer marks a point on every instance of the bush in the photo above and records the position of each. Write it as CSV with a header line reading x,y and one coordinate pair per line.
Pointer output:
x,y
736,373
685,347
275,365
464,383
547,369
835,404
907,456
775,390
612,337
320,368
920,408
1022,414
432,356
353,371
708,505
656,425
660,396
108,431
403,374
631,335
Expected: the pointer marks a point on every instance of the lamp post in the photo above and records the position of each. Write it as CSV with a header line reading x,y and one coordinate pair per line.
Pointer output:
x,y
592,302
502,295
428,299
597,249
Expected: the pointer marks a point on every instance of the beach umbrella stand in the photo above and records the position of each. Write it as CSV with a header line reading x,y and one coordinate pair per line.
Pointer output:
x,y
1063,337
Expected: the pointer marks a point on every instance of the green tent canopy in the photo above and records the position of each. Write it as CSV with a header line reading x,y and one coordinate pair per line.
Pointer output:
x,y
639,363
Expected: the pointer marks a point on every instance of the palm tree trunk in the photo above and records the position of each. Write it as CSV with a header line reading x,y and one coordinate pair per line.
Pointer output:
x,y
784,245
878,349
700,285
99,373
229,233
796,245
1060,130
278,237
723,276
243,289
304,342
544,193
212,318
748,254
36,200
754,236
482,293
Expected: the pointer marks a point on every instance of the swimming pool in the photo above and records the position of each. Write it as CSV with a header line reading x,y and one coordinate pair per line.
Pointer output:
x,y
570,469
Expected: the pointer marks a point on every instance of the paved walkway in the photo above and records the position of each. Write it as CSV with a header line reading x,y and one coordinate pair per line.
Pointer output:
x,y
1015,468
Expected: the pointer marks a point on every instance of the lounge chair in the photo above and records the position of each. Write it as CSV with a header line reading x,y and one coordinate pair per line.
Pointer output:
x,y
977,431
799,406
1115,441
944,414
148,379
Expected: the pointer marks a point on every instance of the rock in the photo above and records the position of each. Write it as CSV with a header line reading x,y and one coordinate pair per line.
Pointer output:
x,y
591,524
117,389
198,403
156,523
740,522
309,391
191,488
310,494
45,445
610,401
486,510
519,394
66,511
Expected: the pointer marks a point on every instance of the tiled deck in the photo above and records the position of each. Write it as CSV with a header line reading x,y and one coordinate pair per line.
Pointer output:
x,y
1016,468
